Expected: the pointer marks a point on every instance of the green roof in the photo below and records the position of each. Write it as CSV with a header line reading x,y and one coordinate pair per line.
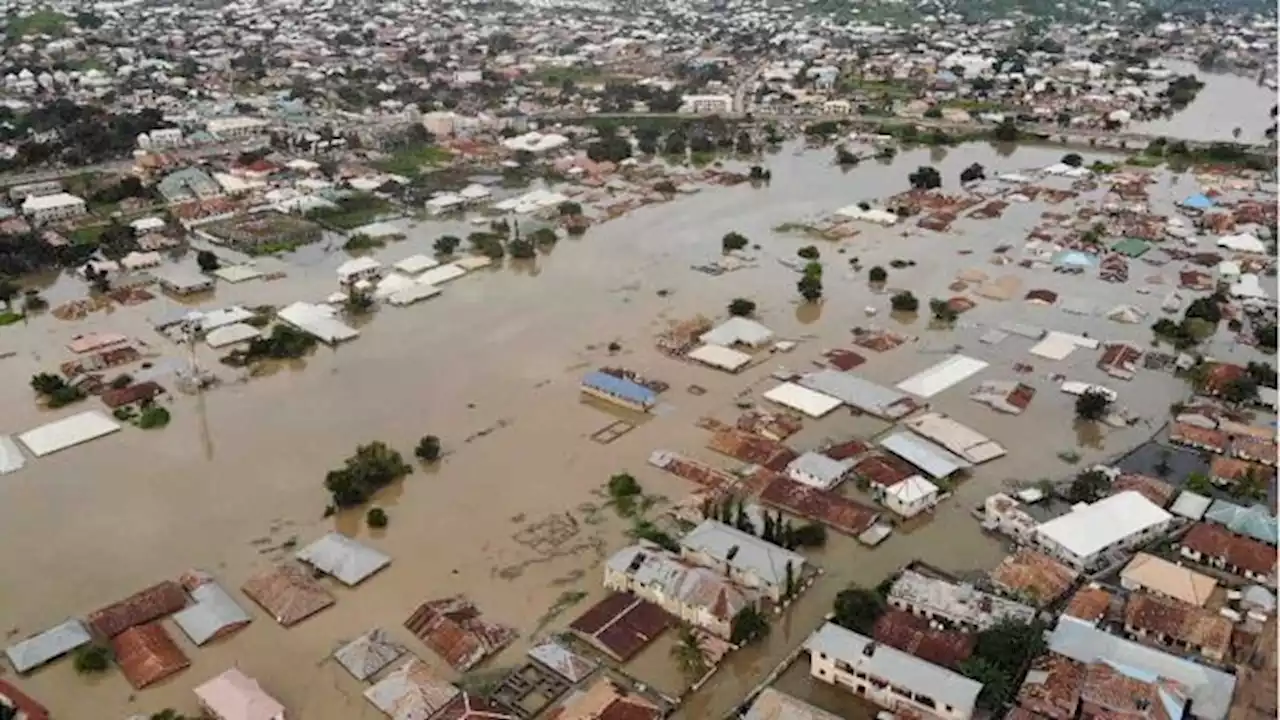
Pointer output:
x,y
1131,247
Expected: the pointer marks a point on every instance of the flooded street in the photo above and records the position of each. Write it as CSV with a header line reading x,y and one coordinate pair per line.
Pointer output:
x,y
492,367
1224,103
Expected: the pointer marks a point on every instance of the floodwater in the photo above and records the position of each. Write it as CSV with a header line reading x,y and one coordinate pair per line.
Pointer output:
x,y
1226,102
512,516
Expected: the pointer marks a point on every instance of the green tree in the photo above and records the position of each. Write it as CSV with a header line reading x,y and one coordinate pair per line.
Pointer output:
x,y
47,383
543,237
522,249
942,311
428,449
569,208
973,173
925,178
1073,160
8,291
811,535
997,685
1240,391
1198,482
878,275
688,654
446,244
373,466
1092,405
810,287
1088,486
376,518
857,609
733,241
624,492
809,252
207,261
742,307
748,626
92,659
153,417
789,587
1007,131
904,301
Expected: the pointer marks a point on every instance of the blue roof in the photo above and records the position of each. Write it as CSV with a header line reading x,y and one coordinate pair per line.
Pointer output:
x,y
1256,522
624,389
1199,201
1076,258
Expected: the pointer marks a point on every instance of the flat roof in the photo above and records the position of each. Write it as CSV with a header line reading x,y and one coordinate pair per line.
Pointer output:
x,y
415,264
956,437
737,330
442,274
949,372
1088,530
53,643
237,273
896,667
68,432
935,461
318,321
860,393
1190,505
720,357
810,402
46,202
11,459
337,555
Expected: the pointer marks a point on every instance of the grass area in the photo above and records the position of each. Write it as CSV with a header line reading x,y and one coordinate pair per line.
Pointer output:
x,y
1145,161
409,161
40,22
9,317
87,234
558,75
352,212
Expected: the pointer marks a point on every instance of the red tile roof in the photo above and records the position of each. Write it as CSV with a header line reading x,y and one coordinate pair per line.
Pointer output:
x,y
751,448
1110,693
1034,575
848,449
829,508
1195,626
1196,436
1158,492
1215,541
114,398
288,593
1089,604
884,470
147,654
841,359
913,634
22,702
1052,687
144,606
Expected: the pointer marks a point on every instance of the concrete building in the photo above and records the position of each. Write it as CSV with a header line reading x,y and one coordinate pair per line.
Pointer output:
x,y
619,391
1084,537
910,497
41,209
960,606
818,471
696,595
707,104
888,677
230,128
743,558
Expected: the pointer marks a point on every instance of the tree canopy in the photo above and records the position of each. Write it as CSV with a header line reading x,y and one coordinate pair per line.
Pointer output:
x,y
733,241
926,177
1092,405
858,609
372,467
741,307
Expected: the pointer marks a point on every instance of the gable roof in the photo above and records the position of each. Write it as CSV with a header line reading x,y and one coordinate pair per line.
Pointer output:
x,y
773,704
1256,521
339,556
411,692
146,654
215,612
562,661
1160,575
743,551
236,696
365,656
161,599
287,593
455,629
53,643
1245,553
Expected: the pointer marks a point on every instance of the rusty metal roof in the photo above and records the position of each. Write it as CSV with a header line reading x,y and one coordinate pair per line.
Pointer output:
x,y
454,628
287,593
147,654
155,602
913,634
1035,575
823,506
622,624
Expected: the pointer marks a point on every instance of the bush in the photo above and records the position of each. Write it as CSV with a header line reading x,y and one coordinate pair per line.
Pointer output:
x,y
446,244
1092,405
569,208
373,466
522,249
92,659
207,261
1073,160
47,383
809,252
64,396
544,236
742,307
733,241
942,311
810,535
376,518
153,417
878,274
428,449
925,178
905,302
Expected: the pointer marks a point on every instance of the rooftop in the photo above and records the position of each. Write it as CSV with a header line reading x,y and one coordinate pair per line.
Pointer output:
x,y
960,603
917,636
1088,530
411,692
1202,630
622,624
692,586
1035,576
1090,604
155,602
287,593
456,630
1255,521
146,654
368,654
348,560
1161,576
743,551
1215,541
1052,687
773,704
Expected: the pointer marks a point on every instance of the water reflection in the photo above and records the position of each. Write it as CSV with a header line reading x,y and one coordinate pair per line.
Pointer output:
x,y
809,312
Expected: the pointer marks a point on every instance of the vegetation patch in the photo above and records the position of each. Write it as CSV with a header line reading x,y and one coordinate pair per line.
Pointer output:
x,y
372,467
353,211
412,160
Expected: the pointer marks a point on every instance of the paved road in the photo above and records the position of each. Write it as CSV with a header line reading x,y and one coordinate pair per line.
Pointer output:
x,y
121,166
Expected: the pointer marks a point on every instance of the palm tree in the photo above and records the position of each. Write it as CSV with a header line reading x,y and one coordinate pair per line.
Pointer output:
x,y
689,655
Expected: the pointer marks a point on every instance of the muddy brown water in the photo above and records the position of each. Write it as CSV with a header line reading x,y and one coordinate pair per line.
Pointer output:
x,y
491,366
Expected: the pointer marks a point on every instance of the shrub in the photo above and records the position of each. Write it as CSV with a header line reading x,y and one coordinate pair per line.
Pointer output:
x,y
878,274
428,449
376,518
905,302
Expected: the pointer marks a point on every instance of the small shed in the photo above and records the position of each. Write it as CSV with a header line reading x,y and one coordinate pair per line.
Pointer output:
x,y
1190,505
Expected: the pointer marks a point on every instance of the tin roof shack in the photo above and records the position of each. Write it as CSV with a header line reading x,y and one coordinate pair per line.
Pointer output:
x,y
31,653
621,625
738,331
287,593
1178,624
751,448
833,510
1217,547
619,391
339,556
917,636
142,607
1120,360
1087,535
772,425
744,558
468,706
411,691
1161,577
1052,688
368,654
133,395
1210,691
454,629
1034,577
883,471
19,705
215,614
805,400
889,677
236,696
570,666
146,654
959,606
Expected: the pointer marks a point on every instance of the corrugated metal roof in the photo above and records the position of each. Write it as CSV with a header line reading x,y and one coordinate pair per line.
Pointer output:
x,y
1256,522
52,643
163,598
565,663
215,614
621,387
411,692
11,459
146,655
349,561
776,705
859,393
287,593
936,461
365,656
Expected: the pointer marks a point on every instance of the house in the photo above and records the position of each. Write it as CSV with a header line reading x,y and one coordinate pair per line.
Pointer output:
x,y
744,558
1090,604
134,395
773,704
1218,547
1254,522
1083,537
954,605
1113,690
411,691
606,699
621,625
17,705
41,209
619,391
230,128
1052,688
922,638
707,104
1209,690
215,614
1181,625
910,497
694,594
818,471
1003,514
1034,576
341,557
183,281
357,269
738,331
1201,438
1161,577
889,677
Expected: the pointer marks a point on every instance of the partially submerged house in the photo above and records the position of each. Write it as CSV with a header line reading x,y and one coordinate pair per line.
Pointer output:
x,y
411,692
744,558
215,614
368,654
695,594
236,696
287,593
31,653
341,557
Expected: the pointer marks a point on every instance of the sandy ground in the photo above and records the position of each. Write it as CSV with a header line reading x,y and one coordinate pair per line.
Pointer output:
x,y
492,367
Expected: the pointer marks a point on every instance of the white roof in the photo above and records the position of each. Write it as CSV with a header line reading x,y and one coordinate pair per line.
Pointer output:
x,y
475,191
936,461
1190,505
230,335
743,551
317,320
960,439
860,393
365,656
473,262
11,459
392,284
1089,529
720,357
52,643
1243,242
69,431
411,295
147,224
356,266
818,470
931,381
345,559
913,489
215,610
737,330
35,203
441,275
411,692
898,668
1073,387
236,696
237,273
415,264
1058,345
378,230
222,317
1248,286
809,402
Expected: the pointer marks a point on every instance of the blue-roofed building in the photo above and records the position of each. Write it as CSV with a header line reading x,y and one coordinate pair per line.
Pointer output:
x,y
1199,201
619,391
1256,522
1074,259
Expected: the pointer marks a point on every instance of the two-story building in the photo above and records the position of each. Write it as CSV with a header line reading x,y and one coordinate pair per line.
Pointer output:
x,y
41,209
1086,536
890,678
743,558
696,595
955,605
